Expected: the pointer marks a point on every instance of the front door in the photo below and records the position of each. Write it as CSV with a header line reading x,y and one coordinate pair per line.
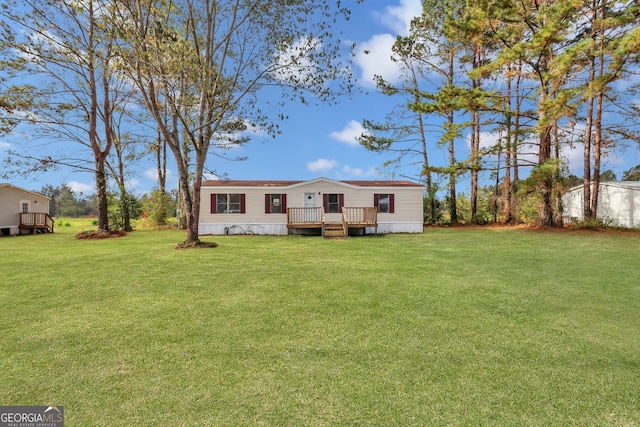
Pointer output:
x,y
310,202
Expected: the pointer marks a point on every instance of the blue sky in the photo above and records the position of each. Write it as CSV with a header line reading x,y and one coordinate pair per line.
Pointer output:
x,y
319,141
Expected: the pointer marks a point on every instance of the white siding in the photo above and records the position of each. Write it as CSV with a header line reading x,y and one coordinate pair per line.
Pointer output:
x,y
618,203
407,216
11,199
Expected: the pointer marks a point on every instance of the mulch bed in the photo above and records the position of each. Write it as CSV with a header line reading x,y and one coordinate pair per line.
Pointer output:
x,y
196,245
97,234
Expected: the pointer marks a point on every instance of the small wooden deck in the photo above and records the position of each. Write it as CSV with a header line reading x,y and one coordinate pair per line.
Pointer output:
x,y
36,222
352,217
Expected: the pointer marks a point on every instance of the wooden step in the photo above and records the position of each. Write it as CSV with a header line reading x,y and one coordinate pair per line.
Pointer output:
x,y
333,230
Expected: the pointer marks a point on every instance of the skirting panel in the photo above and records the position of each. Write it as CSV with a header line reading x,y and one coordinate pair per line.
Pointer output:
x,y
282,230
397,227
221,229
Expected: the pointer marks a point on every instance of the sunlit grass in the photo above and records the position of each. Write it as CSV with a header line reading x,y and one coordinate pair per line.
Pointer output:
x,y
452,327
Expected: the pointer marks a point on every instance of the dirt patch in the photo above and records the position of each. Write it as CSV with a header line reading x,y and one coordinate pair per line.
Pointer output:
x,y
97,234
196,245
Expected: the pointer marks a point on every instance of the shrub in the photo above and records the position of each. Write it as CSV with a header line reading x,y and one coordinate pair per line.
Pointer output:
x,y
158,207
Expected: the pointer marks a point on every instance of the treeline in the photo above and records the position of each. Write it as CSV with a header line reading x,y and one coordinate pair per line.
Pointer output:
x,y
517,83
156,207
489,207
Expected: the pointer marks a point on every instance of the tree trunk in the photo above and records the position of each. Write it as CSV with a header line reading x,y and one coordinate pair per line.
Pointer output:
x,y
475,137
588,131
475,154
453,208
544,155
508,215
161,163
515,145
101,194
598,141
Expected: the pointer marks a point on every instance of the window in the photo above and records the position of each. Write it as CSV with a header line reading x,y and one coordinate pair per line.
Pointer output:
x,y
333,203
275,203
25,207
227,203
384,202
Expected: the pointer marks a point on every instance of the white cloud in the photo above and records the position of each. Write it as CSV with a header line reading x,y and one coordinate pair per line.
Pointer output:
x,y
295,63
348,135
151,174
358,173
374,55
398,18
572,154
374,58
81,188
132,183
321,165
4,145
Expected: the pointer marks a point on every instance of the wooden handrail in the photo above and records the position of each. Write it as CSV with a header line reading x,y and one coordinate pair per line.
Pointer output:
x,y
304,215
344,221
36,220
360,215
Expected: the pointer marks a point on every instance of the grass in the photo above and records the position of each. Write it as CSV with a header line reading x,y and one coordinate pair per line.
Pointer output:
x,y
451,327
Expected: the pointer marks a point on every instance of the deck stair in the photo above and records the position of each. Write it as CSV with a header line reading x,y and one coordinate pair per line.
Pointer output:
x,y
334,230
36,222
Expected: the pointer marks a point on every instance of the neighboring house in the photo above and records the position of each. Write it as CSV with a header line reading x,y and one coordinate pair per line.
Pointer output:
x,y
319,206
618,203
23,211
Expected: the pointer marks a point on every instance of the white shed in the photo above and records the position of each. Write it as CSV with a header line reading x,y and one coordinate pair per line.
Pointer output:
x,y
618,203
23,211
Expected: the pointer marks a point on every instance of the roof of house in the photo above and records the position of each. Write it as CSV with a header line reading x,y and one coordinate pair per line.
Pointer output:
x,y
7,185
286,183
632,185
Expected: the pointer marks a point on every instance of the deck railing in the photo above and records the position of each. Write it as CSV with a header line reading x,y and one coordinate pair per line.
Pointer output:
x,y
37,220
315,217
301,216
368,215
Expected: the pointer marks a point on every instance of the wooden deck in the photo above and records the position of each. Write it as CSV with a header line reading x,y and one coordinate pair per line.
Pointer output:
x,y
352,217
36,222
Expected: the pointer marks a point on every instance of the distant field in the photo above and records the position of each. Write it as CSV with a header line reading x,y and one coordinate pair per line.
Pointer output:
x,y
460,327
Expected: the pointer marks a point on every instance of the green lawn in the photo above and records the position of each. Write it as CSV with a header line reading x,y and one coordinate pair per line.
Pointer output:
x,y
452,327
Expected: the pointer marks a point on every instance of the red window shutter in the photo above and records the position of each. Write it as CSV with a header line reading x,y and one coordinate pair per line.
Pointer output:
x,y
340,202
391,203
213,203
267,203
283,202
325,202
242,204
376,201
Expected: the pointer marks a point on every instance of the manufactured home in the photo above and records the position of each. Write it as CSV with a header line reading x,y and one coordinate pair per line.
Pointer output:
x,y
320,206
23,211
618,203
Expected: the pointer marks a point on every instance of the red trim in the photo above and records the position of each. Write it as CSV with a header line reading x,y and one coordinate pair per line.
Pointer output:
x,y
242,203
325,202
391,203
283,202
267,203
340,202
213,203
376,201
